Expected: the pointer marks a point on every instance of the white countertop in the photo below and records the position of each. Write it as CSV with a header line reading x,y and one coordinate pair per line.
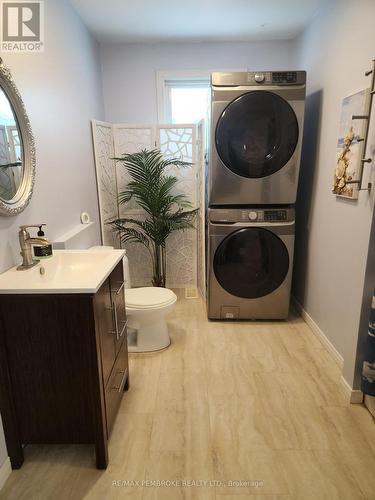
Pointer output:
x,y
67,271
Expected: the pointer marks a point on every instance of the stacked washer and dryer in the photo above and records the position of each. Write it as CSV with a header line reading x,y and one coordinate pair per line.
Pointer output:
x,y
257,123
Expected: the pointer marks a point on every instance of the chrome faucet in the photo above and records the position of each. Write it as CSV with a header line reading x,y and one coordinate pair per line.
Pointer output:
x,y
25,243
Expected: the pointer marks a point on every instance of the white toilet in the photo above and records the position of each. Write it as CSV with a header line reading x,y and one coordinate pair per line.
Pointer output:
x,y
146,308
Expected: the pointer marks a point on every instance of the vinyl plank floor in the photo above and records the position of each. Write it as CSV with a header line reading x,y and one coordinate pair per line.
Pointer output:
x,y
230,411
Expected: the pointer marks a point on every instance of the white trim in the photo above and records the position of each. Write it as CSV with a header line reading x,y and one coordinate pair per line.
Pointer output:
x,y
319,333
163,75
354,395
5,471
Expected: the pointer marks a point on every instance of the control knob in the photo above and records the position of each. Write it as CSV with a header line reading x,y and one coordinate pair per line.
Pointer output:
x,y
253,215
259,77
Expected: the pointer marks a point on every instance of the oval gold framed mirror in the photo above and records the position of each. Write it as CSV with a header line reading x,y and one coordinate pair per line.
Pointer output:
x,y
17,148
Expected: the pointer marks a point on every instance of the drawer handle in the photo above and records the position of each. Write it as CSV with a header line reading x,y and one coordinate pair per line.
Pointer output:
x,y
115,318
113,309
122,284
116,332
123,329
119,388
119,335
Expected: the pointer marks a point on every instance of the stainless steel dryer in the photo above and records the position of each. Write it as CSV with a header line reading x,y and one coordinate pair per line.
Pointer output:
x,y
250,262
257,123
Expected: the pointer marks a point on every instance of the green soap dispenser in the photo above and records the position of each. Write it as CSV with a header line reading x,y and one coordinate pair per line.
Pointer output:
x,y
42,250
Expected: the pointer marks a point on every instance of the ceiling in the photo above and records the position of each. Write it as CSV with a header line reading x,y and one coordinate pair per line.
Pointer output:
x,y
195,20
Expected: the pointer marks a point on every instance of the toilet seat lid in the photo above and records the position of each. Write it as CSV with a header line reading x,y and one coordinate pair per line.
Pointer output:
x,y
149,296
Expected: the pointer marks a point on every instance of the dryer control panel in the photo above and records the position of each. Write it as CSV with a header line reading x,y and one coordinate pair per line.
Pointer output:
x,y
275,215
274,77
258,78
251,215
284,77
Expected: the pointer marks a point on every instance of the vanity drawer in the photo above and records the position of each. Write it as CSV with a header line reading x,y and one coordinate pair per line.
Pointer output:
x,y
116,385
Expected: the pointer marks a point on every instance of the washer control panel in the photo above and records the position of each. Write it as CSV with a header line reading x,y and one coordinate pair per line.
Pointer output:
x,y
254,215
267,215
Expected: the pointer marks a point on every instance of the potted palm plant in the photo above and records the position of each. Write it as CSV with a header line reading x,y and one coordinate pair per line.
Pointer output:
x,y
165,210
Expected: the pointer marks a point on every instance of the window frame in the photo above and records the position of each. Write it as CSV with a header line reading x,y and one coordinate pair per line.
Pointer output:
x,y
163,87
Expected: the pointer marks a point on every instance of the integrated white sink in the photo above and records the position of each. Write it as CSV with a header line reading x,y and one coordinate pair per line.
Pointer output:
x,y
67,271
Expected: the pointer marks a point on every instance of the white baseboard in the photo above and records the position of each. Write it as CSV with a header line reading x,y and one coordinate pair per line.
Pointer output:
x,y
354,396
5,471
319,333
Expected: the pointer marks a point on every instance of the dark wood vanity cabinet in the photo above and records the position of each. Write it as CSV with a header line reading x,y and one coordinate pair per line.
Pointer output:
x,y
63,367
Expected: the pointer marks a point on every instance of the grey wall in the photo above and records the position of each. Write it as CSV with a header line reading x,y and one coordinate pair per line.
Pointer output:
x,y
61,88
333,234
129,70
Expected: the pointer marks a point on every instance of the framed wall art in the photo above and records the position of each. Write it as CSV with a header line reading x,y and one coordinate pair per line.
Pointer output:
x,y
350,145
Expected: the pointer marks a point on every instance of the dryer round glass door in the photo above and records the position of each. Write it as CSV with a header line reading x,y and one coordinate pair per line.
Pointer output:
x,y
256,134
251,263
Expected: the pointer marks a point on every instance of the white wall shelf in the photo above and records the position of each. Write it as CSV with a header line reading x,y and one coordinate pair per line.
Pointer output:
x,y
69,239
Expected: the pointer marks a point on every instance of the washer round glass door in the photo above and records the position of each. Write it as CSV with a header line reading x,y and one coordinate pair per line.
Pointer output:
x,y
256,134
251,263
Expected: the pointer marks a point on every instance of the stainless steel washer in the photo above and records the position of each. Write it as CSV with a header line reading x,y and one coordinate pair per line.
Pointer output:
x,y
250,262
257,123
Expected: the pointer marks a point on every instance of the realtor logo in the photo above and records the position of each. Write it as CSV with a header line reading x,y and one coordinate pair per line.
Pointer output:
x,y
22,26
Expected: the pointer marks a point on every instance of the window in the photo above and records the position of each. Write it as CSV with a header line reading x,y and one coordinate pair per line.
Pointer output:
x,y
183,96
187,102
